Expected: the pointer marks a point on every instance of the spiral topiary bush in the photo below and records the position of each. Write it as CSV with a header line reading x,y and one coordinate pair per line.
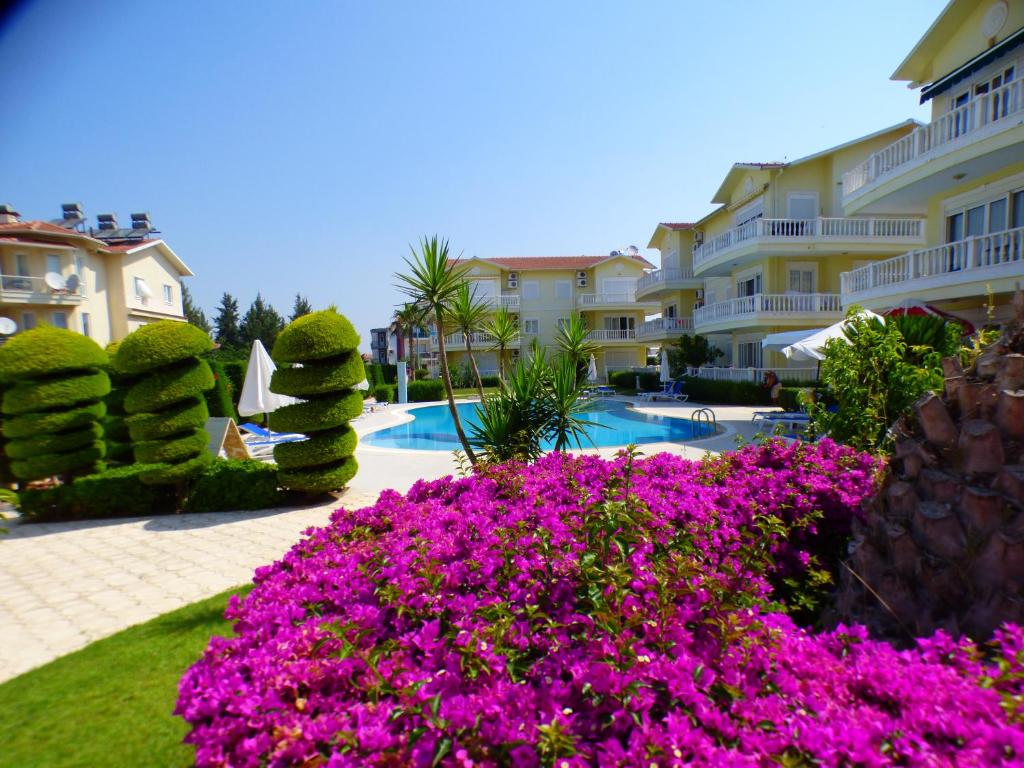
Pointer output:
x,y
165,406
115,428
326,348
54,382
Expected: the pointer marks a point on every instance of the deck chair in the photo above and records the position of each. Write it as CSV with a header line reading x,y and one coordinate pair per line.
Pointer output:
x,y
260,442
666,389
675,393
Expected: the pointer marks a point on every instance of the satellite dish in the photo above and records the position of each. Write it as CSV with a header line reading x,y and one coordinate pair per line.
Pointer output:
x,y
614,253
7,326
55,281
633,250
144,289
72,283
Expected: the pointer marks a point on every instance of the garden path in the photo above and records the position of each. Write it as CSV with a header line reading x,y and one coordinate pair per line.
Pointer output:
x,y
64,585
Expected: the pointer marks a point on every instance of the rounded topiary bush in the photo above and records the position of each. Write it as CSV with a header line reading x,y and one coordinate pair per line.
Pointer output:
x,y
165,406
54,382
325,347
115,428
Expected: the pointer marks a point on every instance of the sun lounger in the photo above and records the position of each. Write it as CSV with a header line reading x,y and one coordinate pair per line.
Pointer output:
x,y
675,393
780,415
666,389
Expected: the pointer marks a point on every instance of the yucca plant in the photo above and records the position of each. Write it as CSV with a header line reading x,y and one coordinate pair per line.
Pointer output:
x,y
433,280
574,342
466,312
504,327
564,404
925,334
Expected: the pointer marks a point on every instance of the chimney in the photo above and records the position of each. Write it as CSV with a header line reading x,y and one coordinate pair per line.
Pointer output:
x,y
106,221
8,215
141,221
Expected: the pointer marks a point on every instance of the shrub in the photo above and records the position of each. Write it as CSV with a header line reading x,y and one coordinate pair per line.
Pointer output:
x,y
218,399
235,371
421,374
487,381
229,485
166,403
389,372
426,391
116,492
385,393
54,383
373,374
649,380
115,428
586,612
725,392
326,345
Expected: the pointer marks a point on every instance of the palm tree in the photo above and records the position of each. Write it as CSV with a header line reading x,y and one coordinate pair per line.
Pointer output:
x,y
563,399
574,342
505,330
433,280
467,313
409,318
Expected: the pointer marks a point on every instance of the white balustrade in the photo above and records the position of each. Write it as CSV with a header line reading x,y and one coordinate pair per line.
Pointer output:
x,y
663,277
779,305
603,299
962,261
26,284
612,335
846,229
755,375
665,325
478,340
989,113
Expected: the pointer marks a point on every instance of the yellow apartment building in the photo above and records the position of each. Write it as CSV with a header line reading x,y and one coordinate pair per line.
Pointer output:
x,y
103,282
963,170
545,291
768,259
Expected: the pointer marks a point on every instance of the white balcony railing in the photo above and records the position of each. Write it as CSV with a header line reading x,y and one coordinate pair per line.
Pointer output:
x,y
986,114
662,277
454,340
16,284
975,258
665,325
798,230
605,299
754,375
509,301
777,305
617,335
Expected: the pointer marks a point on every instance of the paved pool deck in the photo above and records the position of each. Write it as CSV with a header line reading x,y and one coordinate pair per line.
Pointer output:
x,y
65,585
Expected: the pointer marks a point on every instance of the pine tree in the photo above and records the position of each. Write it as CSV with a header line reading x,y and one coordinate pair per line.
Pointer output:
x,y
261,322
229,334
302,307
193,314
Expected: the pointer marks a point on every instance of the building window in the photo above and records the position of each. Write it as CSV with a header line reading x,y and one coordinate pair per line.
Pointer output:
x,y
86,329
60,320
621,323
168,295
531,326
749,287
563,289
53,263
142,291
801,281
531,289
28,320
670,311
749,353
21,265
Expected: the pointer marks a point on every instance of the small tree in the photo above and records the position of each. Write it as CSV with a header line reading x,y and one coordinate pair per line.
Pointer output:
x,y
573,339
505,329
467,313
327,347
229,334
54,383
167,411
691,351
261,322
193,314
301,307
410,318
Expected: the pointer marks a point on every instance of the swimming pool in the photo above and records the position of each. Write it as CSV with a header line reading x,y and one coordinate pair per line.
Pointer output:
x,y
432,428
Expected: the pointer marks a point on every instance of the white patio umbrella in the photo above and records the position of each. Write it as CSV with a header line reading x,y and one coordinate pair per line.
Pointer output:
x,y
592,370
256,395
776,342
812,347
666,375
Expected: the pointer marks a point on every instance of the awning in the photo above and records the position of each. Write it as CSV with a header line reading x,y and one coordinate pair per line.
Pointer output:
x,y
964,71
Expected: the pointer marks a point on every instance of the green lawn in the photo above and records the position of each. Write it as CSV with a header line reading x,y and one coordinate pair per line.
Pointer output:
x,y
473,392
110,703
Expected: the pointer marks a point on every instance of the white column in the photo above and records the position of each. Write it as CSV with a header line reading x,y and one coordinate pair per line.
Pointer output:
x,y
403,393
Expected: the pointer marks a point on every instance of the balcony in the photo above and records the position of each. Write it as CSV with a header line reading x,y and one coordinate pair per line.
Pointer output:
x,y
822,235
590,301
667,280
508,301
986,117
967,268
665,328
457,341
18,289
612,336
803,375
811,309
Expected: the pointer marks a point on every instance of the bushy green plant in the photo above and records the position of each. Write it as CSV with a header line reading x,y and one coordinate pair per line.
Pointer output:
x,y
117,492
422,373
384,393
715,392
649,380
115,428
425,391
873,381
489,381
54,383
691,351
236,484
218,399
327,347
166,405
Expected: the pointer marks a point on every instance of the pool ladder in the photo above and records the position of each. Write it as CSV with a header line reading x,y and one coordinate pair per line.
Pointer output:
x,y
700,417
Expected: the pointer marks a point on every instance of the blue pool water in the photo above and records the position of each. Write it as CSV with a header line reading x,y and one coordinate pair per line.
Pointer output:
x,y
432,428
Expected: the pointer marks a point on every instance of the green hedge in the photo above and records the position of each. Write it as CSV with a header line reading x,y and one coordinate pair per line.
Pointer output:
x,y
218,399
180,418
168,386
649,380
158,345
60,442
490,381
426,391
326,345
173,450
422,373
235,370
385,393
36,395
45,351
236,484
319,377
86,458
30,424
170,474
725,392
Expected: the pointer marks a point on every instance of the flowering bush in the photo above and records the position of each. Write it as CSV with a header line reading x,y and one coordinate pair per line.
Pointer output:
x,y
581,611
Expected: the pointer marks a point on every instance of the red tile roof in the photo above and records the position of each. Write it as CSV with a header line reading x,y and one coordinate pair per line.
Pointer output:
x,y
522,263
37,226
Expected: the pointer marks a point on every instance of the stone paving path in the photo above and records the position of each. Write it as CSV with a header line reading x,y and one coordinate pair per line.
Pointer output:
x,y
63,585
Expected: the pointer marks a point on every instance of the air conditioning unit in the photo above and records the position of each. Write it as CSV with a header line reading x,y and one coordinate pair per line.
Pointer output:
x,y
513,282
513,277
700,294
581,282
698,238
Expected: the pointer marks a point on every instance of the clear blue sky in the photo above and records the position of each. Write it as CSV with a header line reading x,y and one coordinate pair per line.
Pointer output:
x,y
301,146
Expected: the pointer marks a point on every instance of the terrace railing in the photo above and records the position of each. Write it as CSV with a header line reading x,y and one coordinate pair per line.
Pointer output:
x,y
778,305
665,325
662,277
609,335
